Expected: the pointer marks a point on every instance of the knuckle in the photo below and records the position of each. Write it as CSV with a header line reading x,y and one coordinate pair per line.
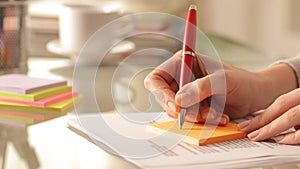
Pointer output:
x,y
293,137
229,76
269,129
293,116
159,95
259,119
199,88
297,112
258,122
151,80
280,102
147,81
290,117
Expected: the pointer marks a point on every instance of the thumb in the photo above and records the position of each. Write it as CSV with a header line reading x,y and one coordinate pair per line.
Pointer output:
x,y
201,89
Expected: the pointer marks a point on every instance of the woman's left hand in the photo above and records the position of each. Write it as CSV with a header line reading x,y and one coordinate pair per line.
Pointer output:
x,y
280,116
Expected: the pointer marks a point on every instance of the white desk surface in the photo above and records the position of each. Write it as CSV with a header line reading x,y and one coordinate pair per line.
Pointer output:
x,y
57,147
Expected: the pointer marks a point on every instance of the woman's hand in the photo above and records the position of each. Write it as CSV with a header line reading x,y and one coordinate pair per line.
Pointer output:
x,y
245,92
280,116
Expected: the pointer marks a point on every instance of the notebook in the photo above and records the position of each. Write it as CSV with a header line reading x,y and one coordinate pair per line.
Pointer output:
x,y
198,133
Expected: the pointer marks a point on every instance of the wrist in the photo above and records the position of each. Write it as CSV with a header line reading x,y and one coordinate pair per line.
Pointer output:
x,y
272,82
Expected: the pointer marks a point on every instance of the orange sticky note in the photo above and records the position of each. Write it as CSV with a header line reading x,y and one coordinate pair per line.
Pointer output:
x,y
198,133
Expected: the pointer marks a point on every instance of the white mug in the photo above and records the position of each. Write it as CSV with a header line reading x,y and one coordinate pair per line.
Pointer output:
x,y
77,22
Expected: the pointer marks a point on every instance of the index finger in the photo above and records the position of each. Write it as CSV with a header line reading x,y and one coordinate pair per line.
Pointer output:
x,y
280,106
164,75
286,121
162,83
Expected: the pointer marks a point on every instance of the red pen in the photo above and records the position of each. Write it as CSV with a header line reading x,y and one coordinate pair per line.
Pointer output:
x,y
188,53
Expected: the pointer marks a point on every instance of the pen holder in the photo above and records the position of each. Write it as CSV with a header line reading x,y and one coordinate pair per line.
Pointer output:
x,y
13,33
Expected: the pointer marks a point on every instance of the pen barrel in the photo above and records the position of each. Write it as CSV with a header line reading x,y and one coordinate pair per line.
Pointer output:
x,y
186,72
189,40
188,48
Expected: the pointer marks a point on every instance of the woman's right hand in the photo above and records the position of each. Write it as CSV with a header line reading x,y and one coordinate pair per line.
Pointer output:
x,y
245,92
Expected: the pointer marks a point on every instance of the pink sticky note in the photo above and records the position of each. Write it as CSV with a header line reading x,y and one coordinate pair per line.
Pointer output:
x,y
43,102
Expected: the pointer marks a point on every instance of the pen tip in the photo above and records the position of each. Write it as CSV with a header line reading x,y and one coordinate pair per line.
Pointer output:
x,y
193,7
181,117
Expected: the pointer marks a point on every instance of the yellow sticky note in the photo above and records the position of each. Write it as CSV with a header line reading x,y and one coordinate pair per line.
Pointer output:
x,y
198,133
38,94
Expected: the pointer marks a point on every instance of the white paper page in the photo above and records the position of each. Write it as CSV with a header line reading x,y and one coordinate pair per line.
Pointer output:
x,y
185,154
182,154
239,164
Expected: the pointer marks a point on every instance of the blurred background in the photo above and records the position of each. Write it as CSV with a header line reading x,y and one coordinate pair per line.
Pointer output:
x,y
269,25
250,34
42,38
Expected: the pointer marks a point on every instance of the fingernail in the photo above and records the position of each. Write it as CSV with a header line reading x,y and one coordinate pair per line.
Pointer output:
x,y
185,98
279,138
208,116
224,120
172,106
243,124
253,134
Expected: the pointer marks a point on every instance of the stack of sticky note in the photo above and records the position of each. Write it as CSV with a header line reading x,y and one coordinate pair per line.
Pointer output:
x,y
31,100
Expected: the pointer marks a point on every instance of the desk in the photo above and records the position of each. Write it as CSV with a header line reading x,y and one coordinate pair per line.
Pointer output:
x,y
59,148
